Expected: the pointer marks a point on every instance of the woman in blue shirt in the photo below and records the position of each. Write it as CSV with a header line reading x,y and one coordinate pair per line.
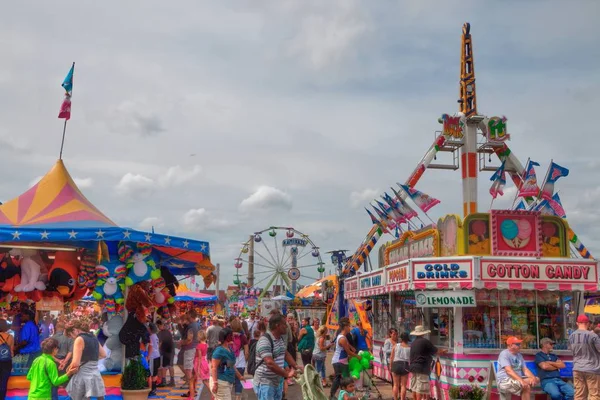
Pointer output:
x,y
222,367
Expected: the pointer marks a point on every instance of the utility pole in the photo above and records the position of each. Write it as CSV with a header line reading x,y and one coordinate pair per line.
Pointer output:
x,y
338,257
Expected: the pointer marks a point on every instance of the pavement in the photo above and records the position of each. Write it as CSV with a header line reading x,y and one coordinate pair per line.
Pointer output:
x,y
294,391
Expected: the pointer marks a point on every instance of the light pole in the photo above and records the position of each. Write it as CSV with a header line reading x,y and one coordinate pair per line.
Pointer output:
x,y
338,257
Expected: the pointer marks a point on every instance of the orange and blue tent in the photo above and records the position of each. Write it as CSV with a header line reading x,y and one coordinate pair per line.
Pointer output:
x,y
54,212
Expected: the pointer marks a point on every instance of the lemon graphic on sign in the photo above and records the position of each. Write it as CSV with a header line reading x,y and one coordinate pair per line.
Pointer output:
x,y
421,299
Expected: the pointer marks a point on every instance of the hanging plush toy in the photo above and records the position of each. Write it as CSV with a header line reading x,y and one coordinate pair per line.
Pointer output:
x,y
170,280
139,261
62,275
161,293
34,273
109,287
209,279
10,274
87,272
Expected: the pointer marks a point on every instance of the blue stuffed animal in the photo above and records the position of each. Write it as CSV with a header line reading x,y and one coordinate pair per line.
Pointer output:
x,y
110,284
139,262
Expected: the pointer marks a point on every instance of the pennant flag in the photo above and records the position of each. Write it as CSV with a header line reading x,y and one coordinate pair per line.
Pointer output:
x,y
390,212
422,200
554,172
68,82
65,108
373,219
557,206
395,205
499,179
529,187
403,206
384,217
521,206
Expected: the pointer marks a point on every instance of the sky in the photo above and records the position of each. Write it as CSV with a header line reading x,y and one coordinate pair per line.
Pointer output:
x,y
213,120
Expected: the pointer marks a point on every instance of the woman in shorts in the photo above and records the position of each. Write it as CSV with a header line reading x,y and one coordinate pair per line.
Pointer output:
x,y
399,361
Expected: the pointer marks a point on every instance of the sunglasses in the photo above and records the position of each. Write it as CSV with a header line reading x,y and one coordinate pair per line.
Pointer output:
x,y
517,344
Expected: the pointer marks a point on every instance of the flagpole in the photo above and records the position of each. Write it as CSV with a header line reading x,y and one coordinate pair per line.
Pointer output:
x,y
539,196
522,178
62,142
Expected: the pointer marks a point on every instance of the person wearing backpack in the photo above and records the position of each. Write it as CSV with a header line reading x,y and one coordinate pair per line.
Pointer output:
x,y
6,355
267,362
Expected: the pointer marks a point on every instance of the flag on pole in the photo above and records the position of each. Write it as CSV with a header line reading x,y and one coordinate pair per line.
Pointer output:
x,y
499,181
521,205
422,200
373,219
65,108
529,187
403,206
390,212
554,172
395,205
384,217
552,206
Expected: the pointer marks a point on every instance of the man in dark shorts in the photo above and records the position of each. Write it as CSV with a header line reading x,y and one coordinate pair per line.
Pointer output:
x,y
166,347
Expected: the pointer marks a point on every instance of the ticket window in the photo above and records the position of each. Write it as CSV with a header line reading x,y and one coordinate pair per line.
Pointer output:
x,y
439,321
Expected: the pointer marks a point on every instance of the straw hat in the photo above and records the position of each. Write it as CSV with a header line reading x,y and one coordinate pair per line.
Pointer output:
x,y
420,331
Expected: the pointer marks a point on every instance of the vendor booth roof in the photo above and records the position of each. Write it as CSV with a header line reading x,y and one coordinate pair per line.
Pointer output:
x,y
54,212
194,296
310,290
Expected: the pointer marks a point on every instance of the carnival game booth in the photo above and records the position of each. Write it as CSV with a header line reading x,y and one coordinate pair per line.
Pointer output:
x,y
186,299
57,247
474,283
315,300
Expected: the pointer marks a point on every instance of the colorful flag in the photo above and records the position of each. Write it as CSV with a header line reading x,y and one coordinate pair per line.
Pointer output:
x,y
390,212
403,206
65,108
68,82
373,219
385,219
554,172
499,179
557,206
521,205
395,205
529,187
422,200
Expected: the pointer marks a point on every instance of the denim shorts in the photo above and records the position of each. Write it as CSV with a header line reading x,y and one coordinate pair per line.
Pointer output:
x,y
266,392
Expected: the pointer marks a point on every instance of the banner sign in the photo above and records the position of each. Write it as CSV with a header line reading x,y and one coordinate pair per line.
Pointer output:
x,y
371,281
397,274
446,270
294,242
445,299
351,285
577,271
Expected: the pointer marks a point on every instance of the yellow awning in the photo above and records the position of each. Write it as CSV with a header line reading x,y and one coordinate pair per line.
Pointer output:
x,y
309,290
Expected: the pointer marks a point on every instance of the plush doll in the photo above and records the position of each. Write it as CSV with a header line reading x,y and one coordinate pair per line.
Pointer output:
x,y
111,276
137,300
209,279
34,273
140,263
87,272
111,329
62,276
10,274
170,280
161,293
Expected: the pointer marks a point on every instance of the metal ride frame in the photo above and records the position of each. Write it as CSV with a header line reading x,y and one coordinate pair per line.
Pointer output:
x,y
473,155
280,267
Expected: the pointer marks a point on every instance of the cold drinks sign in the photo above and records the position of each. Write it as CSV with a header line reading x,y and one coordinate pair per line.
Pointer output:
x,y
447,270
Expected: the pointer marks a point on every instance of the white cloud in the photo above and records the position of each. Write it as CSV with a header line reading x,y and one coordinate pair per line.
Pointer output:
x,y
200,220
176,176
362,198
83,183
266,198
135,185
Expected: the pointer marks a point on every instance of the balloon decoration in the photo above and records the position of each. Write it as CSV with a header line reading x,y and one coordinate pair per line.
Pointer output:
x,y
356,366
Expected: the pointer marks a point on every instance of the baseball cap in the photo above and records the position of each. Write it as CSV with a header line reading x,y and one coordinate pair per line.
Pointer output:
x,y
513,340
582,319
546,340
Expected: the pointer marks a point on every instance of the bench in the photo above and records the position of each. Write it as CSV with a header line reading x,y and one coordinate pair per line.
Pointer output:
x,y
565,373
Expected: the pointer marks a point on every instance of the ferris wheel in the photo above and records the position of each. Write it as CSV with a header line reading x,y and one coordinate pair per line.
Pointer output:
x,y
279,258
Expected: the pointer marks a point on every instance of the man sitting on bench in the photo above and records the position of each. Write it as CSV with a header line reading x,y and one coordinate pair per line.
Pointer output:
x,y
549,367
513,375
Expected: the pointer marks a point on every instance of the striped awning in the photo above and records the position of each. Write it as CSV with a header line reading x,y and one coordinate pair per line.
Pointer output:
x,y
568,287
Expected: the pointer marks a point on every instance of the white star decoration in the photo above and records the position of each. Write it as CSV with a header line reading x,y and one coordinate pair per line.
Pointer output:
x,y
126,234
100,234
168,240
203,247
45,235
73,234
16,235
186,244
148,237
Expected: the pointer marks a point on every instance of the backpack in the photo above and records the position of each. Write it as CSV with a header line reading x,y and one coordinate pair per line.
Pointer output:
x,y
5,350
252,365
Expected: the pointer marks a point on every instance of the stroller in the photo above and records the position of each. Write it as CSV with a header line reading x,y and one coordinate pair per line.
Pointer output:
x,y
312,389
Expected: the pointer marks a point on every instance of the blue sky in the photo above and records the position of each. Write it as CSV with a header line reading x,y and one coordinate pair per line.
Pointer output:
x,y
299,110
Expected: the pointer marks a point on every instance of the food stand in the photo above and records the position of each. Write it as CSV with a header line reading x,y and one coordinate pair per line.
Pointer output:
x,y
477,289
